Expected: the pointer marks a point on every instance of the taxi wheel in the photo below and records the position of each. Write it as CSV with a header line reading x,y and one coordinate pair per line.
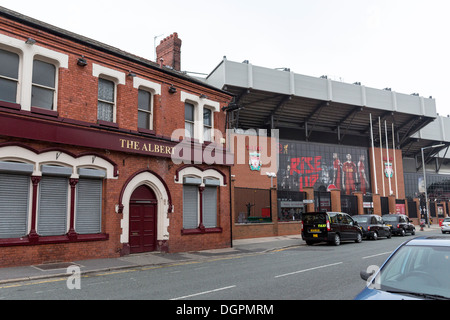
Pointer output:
x,y
337,240
358,238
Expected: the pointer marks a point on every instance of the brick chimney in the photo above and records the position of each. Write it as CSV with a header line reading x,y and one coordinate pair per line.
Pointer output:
x,y
170,51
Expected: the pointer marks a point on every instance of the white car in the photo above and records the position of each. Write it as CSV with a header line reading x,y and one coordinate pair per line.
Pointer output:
x,y
446,225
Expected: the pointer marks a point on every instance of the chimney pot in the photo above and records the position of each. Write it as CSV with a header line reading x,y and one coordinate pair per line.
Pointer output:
x,y
169,50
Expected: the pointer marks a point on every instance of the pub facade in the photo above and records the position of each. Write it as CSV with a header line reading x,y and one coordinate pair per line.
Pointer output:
x,y
97,150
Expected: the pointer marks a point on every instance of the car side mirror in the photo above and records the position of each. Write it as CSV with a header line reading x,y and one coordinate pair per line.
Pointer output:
x,y
355,223
366,275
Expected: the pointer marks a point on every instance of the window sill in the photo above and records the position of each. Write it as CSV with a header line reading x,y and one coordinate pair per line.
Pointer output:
x,y
147,131
38,240
186,232
107,124
44,112
10,105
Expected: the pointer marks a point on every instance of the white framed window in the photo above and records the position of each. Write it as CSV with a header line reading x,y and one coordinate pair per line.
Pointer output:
x,y
199,123
108,80
29,81
207,124
189,120
9,75
106,100
147,90
43,87
145,109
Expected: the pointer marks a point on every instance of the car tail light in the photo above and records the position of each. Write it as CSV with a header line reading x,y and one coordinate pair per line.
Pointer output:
x,y
398,226
302,227
328,226
368,228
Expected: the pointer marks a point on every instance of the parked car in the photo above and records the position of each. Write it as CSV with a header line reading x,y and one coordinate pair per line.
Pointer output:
x,y
373,226
445,225
399,224
331,227
418,269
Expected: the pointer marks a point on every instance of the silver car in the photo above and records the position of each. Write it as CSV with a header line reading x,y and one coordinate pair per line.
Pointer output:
x,y
418,269
446,226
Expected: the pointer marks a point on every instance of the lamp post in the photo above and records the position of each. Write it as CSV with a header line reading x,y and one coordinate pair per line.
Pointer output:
x,y
271,175
427,206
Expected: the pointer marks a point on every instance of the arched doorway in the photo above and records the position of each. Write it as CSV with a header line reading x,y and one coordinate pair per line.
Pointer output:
x,y
143,216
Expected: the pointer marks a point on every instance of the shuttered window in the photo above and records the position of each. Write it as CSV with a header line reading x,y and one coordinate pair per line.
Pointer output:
x,y
210,207
89,206
53,211
190,207
14,202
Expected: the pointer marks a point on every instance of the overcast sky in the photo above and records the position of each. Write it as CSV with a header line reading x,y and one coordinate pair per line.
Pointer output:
x,y
400,44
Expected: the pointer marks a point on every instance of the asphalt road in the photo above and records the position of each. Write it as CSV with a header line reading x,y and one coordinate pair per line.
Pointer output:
x,y
319,272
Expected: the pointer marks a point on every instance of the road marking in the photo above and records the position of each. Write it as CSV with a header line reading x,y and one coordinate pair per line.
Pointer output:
x,y
203,293
306,270
377,255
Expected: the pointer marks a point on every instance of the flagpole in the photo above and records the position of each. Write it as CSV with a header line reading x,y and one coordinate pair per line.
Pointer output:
x,y
388,159
381,156
395,161
373,154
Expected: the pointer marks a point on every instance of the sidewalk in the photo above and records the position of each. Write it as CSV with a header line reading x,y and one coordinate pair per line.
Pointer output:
x,y
240,247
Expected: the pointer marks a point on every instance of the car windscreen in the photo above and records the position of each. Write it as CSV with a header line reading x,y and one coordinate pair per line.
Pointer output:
x,y
417,270
390,218
361,219
314,218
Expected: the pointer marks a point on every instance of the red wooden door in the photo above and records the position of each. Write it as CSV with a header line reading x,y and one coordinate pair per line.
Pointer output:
x,y
143,213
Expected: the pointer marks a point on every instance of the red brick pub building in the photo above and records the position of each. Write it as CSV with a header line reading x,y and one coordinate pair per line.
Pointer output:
x,y
87,149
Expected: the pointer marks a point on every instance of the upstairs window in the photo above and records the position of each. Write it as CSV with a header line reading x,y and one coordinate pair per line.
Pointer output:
x,y
207,125
106,100
44,85
145,117
9,76
189,120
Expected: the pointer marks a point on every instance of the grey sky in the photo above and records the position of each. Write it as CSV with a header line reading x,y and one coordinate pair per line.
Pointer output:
x,y
400,44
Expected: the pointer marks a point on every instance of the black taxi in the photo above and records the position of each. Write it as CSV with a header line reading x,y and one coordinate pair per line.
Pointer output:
x,y
331,227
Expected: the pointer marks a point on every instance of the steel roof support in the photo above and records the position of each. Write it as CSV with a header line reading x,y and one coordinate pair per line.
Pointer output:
x,y
318,110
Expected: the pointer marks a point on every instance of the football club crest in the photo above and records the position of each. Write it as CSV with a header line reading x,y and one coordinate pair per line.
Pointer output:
x,y
388,169
255,161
